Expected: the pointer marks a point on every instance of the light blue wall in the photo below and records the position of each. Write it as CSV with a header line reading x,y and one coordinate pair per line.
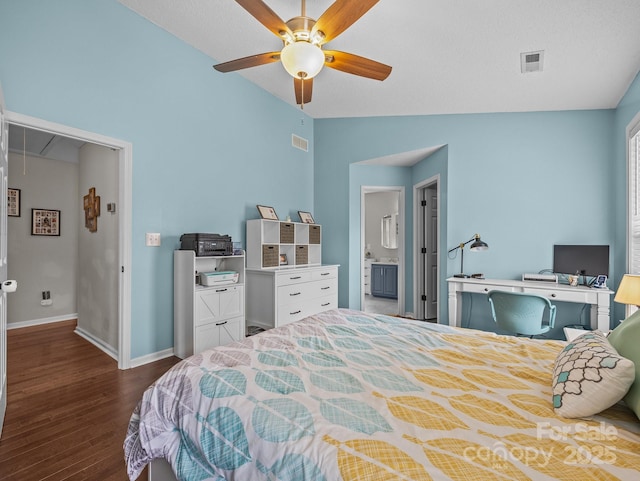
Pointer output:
x,y
207,147
524,181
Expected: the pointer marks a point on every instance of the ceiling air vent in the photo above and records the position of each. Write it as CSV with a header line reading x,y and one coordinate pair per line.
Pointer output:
x,y
531,61
299,143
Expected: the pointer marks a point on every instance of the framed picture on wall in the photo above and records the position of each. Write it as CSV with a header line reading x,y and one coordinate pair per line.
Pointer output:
x,y
45,222
13,202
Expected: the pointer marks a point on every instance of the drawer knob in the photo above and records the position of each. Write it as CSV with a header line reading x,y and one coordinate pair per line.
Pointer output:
x,y
221,323
325,288
294,312
325,273
486,289
326,304
294,294
221,290
294,278
553,295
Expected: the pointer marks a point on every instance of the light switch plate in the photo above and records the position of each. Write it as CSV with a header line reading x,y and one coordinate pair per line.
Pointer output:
x,y
153,239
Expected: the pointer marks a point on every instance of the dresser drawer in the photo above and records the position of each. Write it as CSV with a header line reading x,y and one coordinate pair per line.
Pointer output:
x,y
296,292
329,273
299,310
293,277
294,312
324,287
327,303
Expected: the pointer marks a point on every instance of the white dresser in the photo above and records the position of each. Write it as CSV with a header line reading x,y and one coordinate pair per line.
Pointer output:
x,y
276,297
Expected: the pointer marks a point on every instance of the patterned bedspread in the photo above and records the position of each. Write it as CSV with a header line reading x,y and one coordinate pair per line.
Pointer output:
x,y
345,395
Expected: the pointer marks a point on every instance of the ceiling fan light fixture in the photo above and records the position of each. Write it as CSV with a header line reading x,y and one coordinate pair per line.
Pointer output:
x,y
302,59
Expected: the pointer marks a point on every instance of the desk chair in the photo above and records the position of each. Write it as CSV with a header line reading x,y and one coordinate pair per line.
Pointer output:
x,y
520,313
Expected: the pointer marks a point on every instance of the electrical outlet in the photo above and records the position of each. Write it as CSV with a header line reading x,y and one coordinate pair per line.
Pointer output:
x,y
153,239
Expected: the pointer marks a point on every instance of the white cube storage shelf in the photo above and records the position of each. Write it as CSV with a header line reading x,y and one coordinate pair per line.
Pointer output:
x,y
268,240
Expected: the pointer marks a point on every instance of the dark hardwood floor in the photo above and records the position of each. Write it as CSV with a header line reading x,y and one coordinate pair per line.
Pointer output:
x,y
68,406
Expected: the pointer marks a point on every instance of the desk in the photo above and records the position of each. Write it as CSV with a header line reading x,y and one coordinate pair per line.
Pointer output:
x,y
598,298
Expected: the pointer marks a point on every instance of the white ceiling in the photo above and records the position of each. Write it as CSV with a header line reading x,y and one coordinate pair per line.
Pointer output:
x,y
448,56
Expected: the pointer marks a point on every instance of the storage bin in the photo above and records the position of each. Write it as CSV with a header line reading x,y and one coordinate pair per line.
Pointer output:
x,y
286,233
270,255
314,234
302,255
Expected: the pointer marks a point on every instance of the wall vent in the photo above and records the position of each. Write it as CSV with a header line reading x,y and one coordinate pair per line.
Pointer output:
x,y
531,61
299,143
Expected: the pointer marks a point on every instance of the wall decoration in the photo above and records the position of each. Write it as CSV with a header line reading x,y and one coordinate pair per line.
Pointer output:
x,y
13,202
91,206
306,217
45,222
267,212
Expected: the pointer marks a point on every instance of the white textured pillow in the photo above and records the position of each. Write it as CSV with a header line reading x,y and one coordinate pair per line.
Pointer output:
x,y
589,376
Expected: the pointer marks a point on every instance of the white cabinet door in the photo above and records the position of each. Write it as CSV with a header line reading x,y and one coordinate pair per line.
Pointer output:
x,y
217,334
231,302
218,303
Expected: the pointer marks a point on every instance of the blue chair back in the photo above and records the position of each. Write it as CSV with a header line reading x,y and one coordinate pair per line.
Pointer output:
x,y
521,313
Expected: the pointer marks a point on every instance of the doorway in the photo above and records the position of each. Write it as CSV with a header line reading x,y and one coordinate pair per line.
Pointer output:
x,y
124,196
426,249
382,250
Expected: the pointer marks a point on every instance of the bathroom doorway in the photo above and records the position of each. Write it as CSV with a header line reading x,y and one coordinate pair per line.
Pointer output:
x,y
382,250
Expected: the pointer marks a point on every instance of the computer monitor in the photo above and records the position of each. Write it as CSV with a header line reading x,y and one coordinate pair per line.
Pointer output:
x,y
586,260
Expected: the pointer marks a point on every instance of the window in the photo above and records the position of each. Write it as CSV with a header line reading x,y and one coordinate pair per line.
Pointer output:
x,y
633,222
633,226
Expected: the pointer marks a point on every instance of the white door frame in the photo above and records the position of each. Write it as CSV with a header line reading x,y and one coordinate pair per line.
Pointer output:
x,y
125,207
418,226
401,208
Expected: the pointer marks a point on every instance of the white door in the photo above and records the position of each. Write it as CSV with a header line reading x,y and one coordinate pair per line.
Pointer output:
x,y
4,163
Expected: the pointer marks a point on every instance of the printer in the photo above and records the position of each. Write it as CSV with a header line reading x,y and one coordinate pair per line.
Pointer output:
x,y
207,244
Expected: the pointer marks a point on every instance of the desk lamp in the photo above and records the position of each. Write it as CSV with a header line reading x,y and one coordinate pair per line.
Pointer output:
x,y
478,245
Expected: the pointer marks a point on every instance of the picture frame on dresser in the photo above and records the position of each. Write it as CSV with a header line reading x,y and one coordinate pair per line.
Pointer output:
x,y
267,212
306,217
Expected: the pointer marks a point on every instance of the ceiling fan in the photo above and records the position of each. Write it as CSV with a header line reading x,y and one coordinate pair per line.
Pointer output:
x,y
302,55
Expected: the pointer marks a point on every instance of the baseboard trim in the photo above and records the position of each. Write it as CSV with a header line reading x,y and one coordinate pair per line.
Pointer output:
x,y
154,356
99,343
38,322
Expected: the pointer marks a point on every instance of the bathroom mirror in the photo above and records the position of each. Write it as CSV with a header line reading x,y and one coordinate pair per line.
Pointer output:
x,y
390,231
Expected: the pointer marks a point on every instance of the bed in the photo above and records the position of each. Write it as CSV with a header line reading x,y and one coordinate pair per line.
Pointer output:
x,y
345,395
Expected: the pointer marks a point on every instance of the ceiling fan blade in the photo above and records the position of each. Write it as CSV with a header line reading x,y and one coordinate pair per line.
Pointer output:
x,y
356,65
303,89
246,62
340,16
266,16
